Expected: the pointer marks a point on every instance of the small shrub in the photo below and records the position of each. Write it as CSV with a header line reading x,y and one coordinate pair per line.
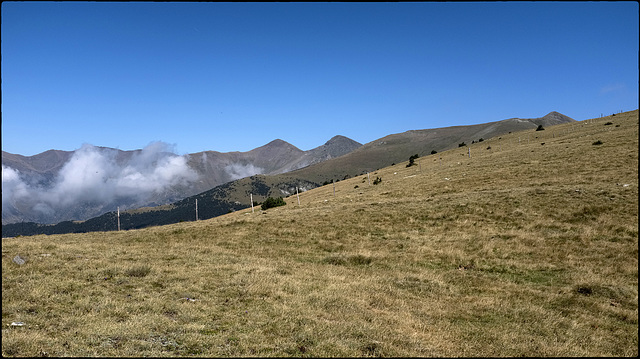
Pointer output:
x,y
433,152
598,142
608,123
357,259
412,159
272,202
462,144
489,147
377,180
584,290
482,139
540,128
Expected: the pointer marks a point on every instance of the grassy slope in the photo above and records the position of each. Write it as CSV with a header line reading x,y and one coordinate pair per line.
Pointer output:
x,y
390,149
522,249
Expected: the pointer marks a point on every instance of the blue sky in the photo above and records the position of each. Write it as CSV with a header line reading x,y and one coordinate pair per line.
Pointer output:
x,y
234,76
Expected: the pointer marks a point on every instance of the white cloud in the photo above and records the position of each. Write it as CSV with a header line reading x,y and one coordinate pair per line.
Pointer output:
x,y
237,170
13,187
93,175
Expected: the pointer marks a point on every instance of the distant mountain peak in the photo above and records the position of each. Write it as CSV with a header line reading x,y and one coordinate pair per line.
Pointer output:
x,y
552,118
340,140
551,115
278,142
338,137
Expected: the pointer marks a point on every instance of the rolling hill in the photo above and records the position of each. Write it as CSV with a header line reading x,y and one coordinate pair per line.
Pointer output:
x,y
524,246
235,195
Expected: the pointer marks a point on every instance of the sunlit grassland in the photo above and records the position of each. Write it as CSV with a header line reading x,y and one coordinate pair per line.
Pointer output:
x,y
521,249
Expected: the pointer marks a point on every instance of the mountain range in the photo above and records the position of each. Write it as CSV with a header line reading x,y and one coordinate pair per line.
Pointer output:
x,y
223,182
101,179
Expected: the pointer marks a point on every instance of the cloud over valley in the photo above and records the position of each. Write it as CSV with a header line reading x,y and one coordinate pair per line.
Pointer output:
x,y
97,175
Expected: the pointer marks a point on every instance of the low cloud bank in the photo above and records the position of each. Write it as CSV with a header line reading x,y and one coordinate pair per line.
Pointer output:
x,y
96,175
237,170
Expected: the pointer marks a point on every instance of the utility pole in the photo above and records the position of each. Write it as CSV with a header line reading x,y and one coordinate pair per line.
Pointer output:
x,y
251,194
297,195
118,218
196,209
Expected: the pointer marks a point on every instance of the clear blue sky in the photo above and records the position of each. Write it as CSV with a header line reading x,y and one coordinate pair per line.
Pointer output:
x,y
234,76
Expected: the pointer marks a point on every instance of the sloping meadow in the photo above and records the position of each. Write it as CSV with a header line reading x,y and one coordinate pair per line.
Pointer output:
x,y
523,245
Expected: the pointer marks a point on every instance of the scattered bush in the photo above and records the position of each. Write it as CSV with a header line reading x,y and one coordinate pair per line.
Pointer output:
x,y
272,202
462,144
377,180
598,142
540,128
608,123
412,159
481,139
433,152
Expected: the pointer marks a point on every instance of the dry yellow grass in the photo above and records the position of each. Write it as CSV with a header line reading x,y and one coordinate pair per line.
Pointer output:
x,y
522,249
